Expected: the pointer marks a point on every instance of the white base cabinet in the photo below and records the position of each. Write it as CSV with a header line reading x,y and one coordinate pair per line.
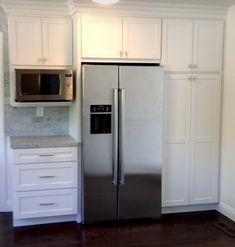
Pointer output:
x,y
45,182
191,139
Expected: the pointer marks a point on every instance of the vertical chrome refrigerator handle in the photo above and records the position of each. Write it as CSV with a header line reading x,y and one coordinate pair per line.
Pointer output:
x,y
115,136
121,135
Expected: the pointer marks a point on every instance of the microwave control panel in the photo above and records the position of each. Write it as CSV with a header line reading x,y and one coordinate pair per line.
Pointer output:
x,y
69,84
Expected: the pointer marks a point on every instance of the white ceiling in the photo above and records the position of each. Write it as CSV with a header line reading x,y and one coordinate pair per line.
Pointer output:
x,y
222,3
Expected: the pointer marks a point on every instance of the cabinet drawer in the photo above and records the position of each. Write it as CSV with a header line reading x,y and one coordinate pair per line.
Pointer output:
x,y
45,203
37,155
46,176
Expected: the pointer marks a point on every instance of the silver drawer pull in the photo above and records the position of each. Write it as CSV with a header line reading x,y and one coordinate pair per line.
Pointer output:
x,y
47,204
46,155
46,176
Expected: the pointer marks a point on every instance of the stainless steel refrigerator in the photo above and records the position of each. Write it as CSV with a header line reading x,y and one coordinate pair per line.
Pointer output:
x,y
121,142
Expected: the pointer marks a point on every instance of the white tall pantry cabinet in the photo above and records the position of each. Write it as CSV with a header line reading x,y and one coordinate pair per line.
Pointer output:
x,y
192,55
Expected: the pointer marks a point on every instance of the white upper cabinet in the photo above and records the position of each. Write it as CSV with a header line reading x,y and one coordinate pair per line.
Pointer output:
x,y
40,41
114,37
192,45
142,38
208,45
101,36
25,40
57,41
177,44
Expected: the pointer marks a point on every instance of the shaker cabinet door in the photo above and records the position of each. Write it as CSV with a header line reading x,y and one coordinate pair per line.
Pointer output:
x,y
208,45
176,140
177,43
205,139
57,41
101,36
25,40
142,38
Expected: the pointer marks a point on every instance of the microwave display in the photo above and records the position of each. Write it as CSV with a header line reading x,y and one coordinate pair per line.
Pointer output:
x,y
43,85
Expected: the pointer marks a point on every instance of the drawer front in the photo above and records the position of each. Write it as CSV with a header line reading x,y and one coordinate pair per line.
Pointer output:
x,y
46,176
45,203
38,155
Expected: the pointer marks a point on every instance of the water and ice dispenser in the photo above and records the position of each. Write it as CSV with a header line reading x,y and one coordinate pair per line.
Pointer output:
x,y
101,119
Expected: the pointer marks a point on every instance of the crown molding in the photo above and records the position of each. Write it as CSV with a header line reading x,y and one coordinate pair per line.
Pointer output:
x,y
145,8
149,9
36,7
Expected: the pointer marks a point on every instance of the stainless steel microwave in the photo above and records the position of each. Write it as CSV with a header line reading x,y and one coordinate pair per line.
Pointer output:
x,y
36,85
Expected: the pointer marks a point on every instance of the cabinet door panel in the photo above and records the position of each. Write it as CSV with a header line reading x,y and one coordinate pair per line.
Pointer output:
x,y
57,41
142,38
208,45
175,185
177,44
205,139
176,138
25,40
101,36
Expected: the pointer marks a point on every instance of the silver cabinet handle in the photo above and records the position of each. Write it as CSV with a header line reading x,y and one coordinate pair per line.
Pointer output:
x,y
46,155
115,135
47,204
121,136
46,176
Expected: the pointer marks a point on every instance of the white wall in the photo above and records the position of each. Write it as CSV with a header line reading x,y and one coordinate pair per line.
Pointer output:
x,y
227,179
2,136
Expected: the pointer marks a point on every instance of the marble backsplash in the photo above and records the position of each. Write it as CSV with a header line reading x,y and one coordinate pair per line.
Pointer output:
x,y
22,121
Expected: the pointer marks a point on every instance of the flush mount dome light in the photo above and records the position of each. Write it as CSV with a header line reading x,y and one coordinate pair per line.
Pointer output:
x,y
105,1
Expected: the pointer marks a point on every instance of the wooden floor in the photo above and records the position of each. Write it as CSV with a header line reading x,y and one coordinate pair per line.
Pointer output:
x,y
191,229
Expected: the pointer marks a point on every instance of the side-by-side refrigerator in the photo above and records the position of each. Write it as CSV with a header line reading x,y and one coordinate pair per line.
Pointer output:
x,y
121,142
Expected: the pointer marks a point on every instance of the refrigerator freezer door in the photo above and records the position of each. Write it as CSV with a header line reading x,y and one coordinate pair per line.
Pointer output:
x,y
100,192
140,195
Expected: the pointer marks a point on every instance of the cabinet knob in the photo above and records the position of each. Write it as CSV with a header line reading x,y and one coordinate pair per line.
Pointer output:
x,y
190,66
190,78
39,60
126,53
194,78
120,53
194,66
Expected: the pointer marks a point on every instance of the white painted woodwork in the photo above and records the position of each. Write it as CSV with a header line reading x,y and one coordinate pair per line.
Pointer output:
x,y
36,155
57,41
116,37
205,138
25,39
142,38
40,41
45,182
177,41
33,204
101,36
192,45
208,45
191,139
46,176
177,102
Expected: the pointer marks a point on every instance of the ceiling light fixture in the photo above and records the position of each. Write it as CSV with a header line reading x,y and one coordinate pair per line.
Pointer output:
x,y
105,1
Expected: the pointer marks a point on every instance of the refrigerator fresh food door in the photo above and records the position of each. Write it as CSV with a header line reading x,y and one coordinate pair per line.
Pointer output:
x,y
99,146
140,150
